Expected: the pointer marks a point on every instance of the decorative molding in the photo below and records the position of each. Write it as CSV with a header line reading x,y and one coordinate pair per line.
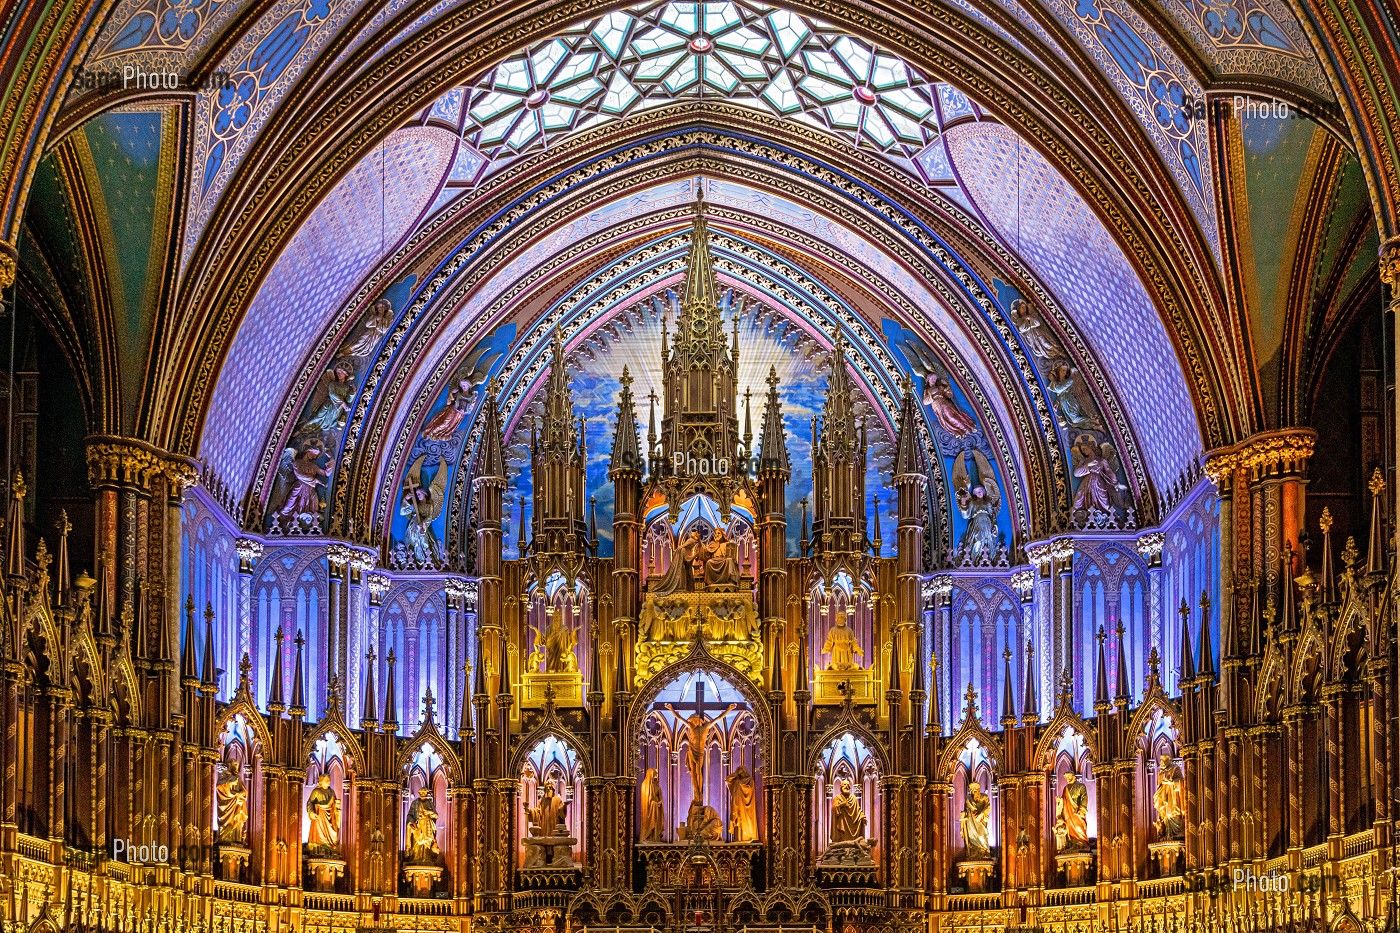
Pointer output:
x,y
1287,450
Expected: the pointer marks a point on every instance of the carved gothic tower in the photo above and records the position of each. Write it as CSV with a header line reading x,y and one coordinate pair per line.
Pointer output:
x,y
699,414
838,465
557,460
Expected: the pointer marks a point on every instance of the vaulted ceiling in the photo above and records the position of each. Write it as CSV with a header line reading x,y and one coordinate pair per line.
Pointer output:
x,y
1027,202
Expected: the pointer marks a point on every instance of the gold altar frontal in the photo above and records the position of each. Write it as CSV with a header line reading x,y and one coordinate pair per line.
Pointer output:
x,y
728,622
827,686
567,688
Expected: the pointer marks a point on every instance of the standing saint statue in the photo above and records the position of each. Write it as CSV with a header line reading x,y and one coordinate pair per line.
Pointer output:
x,y
323,811
697,732
679,576
976,814
547,815
232,797
653,809
841,645
559,642
1166,799
421,845
847,816
743,807
1073,815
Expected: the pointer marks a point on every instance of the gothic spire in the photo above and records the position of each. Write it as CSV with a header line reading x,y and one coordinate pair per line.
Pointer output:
x,y
1375,547
274,689
490,458
1188,665
626,451
211,676
62,580
1205,664
1328,577
909,454
1008,697
479,673
299,680
595,667
1122,691
391,703
1289,622
1101,678
189,668
16,518
935,716
699,295
1030,704
369,710
772,438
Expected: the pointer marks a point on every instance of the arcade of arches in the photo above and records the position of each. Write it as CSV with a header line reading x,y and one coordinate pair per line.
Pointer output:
x,y
494,465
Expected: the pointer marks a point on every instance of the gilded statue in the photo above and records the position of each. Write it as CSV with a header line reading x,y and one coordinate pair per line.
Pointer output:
x,y
1072,815
421,845
847,816
974,819
653,809
743,807
701,822
721,561
547,815
841,645
323,811
687,565
697,732
1166,799
232,796
559,642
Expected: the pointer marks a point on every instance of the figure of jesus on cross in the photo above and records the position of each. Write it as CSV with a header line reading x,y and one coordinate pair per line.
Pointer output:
x,y
697,732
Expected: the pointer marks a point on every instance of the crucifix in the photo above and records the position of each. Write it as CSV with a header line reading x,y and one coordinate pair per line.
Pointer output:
x,y
697,728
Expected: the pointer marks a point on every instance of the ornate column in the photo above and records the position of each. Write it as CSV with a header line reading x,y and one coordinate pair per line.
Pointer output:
x,y
455,590
941,590
1062,553
360,563
338,557
1039,556
248,552
1023,582
376,585
1149,545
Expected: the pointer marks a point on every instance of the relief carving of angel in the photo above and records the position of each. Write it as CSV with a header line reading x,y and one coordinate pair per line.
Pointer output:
x,y
422,505
1062,381
1032,331
938,395
374,326
300,477
979,503
1096,466
333,399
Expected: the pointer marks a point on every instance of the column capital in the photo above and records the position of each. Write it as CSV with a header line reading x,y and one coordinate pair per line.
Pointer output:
x,y
1062,549
1285,450
378,585
938,588
8,265
248,551
1023,582
1389,262
128,460
1039,555
1149,545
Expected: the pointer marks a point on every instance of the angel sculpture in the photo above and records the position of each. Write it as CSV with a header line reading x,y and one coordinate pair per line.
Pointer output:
x,y
376,325
1032,331
979,503
938,395
299,479
470,377
335,394
1062,382
1096,466
422,506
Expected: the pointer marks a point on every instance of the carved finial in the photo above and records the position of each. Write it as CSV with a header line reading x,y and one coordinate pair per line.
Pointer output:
x,y
1154,663
1325,521
1377,484
1101,636
429,705
626,379
21,490
1350,553
245,669
970,710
